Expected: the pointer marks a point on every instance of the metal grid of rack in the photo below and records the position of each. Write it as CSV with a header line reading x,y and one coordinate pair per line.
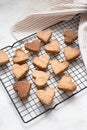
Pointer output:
x,y
31,108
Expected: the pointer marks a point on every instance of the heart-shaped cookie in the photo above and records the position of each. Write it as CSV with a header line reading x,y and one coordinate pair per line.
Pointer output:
x,y
53,47
46,96
20,56
3,58
41,78
20,70
33,46
59,66
22,88
67,84
70,36
71,53
42,61
44,35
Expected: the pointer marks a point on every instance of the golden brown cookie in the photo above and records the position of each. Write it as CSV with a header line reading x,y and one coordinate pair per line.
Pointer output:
x,y
41,78
44,35
71,53
59,66
22,88
46,96
20,70
20,56
3,58
42,61
70,36
53,47
67,84
33,46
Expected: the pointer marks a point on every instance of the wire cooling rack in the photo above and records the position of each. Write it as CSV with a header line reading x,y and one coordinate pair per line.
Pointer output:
x,y
31,108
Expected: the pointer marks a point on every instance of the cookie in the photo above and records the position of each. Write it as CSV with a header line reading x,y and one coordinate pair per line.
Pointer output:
x,y
71,53
44,35
41,62
3,58
53,47
59,67
70,36
20,70
33,46
67,84
20,56
46,96
41,78
22,88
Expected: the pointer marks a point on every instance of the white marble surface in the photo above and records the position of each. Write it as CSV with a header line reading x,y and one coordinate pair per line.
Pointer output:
x,y
71,115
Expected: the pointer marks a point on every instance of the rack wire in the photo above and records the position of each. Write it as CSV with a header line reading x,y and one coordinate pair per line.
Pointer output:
x,y
32,108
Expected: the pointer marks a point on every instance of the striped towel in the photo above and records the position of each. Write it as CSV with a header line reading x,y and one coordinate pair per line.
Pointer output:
x,y
48,12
